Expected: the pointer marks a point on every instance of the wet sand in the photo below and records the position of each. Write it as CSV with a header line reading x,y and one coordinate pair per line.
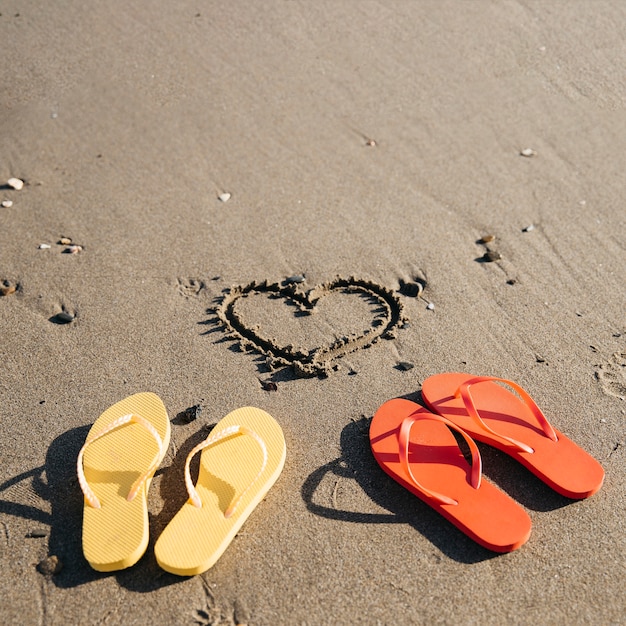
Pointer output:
x,y
379,141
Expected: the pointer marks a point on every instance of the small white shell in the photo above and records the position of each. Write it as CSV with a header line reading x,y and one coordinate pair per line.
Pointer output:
x,y
224,197
528,152
44,246
528,228
430,306
7,203
16,183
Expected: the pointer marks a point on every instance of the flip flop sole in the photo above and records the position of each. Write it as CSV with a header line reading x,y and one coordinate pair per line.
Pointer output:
x,y
115,536
561,464
487,515
196,537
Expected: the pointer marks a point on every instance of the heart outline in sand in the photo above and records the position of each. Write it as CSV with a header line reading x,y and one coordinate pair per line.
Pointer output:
x,y
319,360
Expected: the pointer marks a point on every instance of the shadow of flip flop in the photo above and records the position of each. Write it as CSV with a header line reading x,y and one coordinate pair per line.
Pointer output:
x,y
357,462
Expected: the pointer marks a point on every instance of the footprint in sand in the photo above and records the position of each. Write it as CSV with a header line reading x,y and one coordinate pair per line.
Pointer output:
x,y
189,287
612,376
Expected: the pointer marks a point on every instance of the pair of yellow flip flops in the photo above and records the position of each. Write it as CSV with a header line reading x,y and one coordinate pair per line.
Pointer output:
x,y
240,461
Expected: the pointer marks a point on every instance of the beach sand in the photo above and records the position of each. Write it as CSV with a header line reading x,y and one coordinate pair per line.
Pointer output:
x,y
369,141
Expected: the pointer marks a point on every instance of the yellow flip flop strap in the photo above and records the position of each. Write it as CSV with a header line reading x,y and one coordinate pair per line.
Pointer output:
x,y
90,496
230,431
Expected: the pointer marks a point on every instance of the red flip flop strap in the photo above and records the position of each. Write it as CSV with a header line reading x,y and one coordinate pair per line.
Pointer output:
x,y
403,443
468,401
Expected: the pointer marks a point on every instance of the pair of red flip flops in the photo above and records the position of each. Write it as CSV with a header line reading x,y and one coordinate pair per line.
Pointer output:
x,y
417,449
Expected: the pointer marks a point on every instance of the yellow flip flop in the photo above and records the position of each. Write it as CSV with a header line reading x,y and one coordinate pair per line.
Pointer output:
x,y
241,459
122,451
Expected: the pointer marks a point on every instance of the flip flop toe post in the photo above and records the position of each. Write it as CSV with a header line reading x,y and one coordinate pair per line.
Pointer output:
x,y
417,449
122,451
239,462
502,414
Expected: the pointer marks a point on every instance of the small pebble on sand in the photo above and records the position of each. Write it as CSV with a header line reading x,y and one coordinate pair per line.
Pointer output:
x,y
268,385
224,197
7,288
405,366
528,228
430,306
44,246
64,241
189,415
528,152
73,249
487,239
491,256
50,565
296,278
7,204
411,289
64,317
15,183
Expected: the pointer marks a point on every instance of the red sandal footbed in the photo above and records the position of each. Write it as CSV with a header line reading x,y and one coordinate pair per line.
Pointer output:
x,y
513,423
418,450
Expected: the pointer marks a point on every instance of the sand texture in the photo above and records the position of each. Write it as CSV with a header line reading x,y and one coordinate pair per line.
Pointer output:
x,y
310,207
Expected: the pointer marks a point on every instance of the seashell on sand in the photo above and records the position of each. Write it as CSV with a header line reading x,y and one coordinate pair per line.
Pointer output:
x,y
16,183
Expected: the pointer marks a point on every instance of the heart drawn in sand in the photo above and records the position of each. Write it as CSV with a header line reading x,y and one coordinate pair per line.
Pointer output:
x,y
381,312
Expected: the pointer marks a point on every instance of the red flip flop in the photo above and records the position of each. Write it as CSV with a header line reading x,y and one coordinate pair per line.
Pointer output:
x,y
514,424
417,449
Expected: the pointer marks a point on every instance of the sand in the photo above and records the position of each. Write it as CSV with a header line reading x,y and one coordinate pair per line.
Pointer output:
x,y
378,141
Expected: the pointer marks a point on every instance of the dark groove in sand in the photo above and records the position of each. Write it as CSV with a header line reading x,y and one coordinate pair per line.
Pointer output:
x,y
317,361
